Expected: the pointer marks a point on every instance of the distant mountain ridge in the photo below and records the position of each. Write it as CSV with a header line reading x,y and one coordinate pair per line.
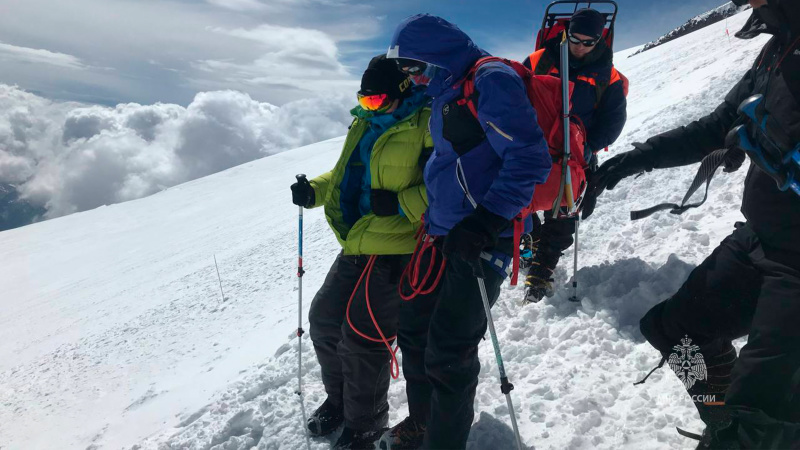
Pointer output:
x,y
15,212
695,23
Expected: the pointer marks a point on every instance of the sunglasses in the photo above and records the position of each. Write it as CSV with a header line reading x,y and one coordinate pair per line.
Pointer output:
x,y
585,43
375,102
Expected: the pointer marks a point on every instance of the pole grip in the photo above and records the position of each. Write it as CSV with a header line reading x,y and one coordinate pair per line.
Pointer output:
x,y
300,177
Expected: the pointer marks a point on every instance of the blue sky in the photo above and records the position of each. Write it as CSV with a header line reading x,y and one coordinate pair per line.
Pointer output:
x,y
147,51
508,27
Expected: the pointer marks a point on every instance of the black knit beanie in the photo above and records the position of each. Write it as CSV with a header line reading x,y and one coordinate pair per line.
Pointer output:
x,y
587,22
383,77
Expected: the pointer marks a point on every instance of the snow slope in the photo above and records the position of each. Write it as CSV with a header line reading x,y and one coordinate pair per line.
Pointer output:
x,y
113,333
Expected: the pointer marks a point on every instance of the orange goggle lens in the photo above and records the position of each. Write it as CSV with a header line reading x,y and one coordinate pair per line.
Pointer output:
x,y
373,102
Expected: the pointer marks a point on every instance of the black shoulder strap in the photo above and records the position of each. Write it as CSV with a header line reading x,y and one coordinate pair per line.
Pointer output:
x,y
708,167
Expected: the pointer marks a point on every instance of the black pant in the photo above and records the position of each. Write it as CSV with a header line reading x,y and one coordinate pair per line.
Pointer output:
x,y
355,371
742,289
439,336
555,236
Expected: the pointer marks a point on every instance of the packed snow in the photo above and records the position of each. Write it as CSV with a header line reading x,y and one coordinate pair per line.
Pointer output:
x,y
114,333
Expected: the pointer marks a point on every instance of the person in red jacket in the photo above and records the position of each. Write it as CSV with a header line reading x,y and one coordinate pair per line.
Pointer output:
x,y
599,102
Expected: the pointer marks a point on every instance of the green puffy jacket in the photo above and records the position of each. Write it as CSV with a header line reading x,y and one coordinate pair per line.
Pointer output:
x,y
394,166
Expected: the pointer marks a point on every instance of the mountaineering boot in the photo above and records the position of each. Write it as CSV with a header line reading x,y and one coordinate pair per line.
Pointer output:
x,y
539,282
537,288
326,419
406,435
527,248
723,439
706,380
357,440
708,395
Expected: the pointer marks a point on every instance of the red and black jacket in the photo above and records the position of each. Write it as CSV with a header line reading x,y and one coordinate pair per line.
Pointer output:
x,y
600,91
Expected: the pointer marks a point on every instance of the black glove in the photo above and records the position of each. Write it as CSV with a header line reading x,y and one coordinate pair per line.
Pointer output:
x,y
383,202
734,159
476,232
303,193
619,167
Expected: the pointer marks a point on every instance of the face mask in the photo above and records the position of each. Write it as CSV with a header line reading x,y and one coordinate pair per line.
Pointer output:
x,y
425,77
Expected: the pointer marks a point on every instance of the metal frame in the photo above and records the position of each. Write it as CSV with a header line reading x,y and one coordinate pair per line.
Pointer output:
x,y
551,18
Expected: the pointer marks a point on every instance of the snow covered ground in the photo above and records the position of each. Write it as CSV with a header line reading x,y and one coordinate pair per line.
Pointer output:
x,y
113,332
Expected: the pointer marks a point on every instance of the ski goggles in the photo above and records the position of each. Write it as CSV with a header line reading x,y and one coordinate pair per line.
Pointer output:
x,y
584,42
420,72
376,102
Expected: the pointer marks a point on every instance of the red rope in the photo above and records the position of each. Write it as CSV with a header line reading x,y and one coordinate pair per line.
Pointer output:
x,y
394,365
412,271
417,286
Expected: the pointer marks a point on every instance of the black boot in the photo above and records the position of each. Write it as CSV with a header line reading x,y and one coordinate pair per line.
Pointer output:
x,y
708,395
721,439
539,282
357,440
326,419
406,435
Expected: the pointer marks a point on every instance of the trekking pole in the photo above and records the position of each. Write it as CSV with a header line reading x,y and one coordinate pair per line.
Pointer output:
x,y
574,297
300,272
566,176
505,386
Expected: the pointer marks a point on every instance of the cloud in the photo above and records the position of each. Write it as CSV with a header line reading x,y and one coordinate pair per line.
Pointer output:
x,y
289,58
238,5
39,56
148,50
70,157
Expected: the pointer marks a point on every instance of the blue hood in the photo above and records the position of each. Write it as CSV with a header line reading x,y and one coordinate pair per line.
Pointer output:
x,y
433,40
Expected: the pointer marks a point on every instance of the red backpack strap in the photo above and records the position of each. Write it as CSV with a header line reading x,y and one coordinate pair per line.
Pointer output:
x,y
467,84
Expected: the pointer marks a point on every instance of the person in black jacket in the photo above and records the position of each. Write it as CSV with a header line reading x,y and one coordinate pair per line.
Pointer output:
x,y
598,100
750,285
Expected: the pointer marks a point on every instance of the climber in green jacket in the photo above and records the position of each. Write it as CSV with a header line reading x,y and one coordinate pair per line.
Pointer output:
x,y
374,199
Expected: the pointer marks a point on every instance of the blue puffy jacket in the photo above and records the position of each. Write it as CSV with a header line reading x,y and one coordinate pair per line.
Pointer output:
x,y
502,170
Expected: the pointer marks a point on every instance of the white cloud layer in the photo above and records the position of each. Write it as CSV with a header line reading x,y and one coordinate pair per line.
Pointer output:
x,y
71,157
28,55
149,51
